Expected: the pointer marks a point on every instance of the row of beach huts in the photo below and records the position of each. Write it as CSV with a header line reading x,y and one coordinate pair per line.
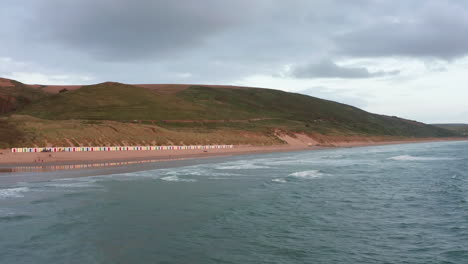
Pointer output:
x,y
118,148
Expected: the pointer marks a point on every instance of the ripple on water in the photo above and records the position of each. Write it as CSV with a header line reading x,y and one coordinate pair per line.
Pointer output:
x,y
285,212
11,216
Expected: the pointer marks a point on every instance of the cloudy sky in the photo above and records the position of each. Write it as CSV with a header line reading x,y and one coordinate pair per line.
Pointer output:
x,y
398,57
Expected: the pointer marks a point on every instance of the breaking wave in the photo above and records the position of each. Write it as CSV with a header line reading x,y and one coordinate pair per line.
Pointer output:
x,y
279,180
310,174
415,158
333,157
176,179
13,192
188,172
74,185
242,167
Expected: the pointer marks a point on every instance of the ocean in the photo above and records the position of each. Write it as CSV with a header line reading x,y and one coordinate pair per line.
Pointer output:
x,y
381,204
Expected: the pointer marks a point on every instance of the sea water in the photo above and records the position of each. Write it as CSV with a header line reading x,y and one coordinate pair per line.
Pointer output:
x,y
385,204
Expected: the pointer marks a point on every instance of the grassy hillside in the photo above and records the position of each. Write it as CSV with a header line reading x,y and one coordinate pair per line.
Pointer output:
x,y
15,95
458,128
10,134
109,113
110,101
121,102
40,132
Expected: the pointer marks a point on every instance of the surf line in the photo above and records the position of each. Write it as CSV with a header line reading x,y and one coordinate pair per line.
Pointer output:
x,y
85,166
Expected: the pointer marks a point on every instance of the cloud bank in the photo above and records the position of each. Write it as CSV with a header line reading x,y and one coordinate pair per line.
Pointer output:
x,y
212,41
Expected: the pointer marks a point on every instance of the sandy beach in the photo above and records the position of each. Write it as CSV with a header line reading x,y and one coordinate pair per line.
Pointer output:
x,y
7,158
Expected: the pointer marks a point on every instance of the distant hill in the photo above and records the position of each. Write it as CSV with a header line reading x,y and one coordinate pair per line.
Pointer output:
x,y
15,95
201,108
459,128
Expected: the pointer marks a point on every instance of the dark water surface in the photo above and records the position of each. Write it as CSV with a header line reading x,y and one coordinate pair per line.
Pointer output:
x,y
388,204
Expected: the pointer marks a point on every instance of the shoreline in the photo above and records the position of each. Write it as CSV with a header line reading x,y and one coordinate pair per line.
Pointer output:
x,y
8,159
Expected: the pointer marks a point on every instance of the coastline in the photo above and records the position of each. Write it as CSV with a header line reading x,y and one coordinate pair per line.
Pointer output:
x,y
8,159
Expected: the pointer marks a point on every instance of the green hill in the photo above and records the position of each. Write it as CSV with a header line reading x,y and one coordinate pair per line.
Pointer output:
x,y
121,102
458,128
110,101
15,95
247,113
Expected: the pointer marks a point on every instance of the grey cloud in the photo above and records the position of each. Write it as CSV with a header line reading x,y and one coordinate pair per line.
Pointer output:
x,y
329,69
151,40
122,30
432,29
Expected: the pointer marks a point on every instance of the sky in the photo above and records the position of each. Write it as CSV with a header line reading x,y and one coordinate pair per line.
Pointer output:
x,y
407,58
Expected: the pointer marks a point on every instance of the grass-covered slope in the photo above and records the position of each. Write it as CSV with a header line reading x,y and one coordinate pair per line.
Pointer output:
x,y
462,129
109,101
21,130
313,112
15,95
115,113
121,102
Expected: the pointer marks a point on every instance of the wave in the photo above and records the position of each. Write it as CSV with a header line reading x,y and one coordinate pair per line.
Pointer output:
x,y
176,179
13,192
189,172
73,185
168,174
7,217
279,180
310,174
242,167
199,172
415,158
333,157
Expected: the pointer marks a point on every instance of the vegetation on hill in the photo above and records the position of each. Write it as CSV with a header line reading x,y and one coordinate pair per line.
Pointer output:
x,y
15,95
458,128
247,115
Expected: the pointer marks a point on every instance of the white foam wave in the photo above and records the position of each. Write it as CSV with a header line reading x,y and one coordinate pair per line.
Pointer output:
x,y
279,180
333,157
224,174
167,174
242,167
74,185
134,176
310,174
415,158
188,172
176,179
288,162
13,192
